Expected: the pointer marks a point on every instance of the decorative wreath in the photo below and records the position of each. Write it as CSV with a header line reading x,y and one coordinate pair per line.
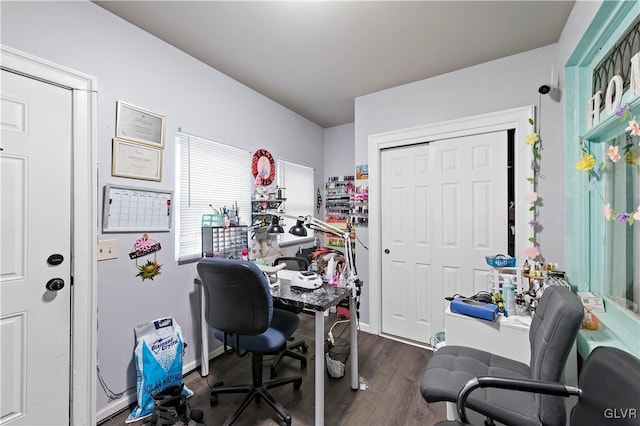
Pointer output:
x,y
261,177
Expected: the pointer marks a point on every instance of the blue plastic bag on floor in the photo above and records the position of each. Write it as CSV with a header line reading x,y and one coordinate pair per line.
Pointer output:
x,y
158,357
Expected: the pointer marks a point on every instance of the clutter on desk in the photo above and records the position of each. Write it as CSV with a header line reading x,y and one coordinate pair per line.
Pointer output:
x,y
528,280
474,308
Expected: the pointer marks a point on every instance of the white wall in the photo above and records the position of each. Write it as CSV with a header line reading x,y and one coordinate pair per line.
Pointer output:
x,y
338,150
133,66
494,86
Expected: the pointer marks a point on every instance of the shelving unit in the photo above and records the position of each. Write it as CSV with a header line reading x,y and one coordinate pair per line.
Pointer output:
x,y
263,209
498,276
338,205
360,206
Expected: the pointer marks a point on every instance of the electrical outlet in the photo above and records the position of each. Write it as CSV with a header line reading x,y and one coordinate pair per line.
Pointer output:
x,y
107,249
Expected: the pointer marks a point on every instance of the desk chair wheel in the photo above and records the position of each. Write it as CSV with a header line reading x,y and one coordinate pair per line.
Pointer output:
x,y
213,396
213,399
297,384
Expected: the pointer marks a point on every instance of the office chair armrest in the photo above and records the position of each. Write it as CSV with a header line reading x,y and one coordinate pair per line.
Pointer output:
x,y
523,385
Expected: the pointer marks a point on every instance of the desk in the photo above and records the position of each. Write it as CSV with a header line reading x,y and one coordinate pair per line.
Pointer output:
x,y
318,301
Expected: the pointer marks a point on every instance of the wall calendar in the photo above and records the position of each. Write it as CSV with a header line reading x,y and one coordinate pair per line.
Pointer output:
x,y
128,209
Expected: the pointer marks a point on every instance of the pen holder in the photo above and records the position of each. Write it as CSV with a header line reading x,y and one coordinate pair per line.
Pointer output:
x,y
212,220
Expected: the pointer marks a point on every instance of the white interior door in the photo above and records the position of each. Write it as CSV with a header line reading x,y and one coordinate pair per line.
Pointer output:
x,y
35,197
444,207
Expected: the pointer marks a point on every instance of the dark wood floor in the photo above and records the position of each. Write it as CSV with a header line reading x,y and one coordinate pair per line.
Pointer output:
x,y
390,370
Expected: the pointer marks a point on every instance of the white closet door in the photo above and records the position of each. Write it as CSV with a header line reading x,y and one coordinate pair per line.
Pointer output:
x,y
444,207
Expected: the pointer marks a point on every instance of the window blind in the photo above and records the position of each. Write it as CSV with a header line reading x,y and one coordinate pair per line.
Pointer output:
x,y
298,183
210,174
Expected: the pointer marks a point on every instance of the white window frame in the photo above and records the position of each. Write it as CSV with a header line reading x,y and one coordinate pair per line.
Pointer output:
x,y
209,175
298,183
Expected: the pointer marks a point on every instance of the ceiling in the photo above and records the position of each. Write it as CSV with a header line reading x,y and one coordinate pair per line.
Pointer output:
x,y
315,57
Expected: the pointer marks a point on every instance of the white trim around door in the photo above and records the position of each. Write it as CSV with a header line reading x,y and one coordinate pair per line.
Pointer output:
x,y
84,222
517,118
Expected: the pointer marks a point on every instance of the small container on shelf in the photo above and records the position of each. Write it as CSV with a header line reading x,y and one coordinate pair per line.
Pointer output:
x,y
500,261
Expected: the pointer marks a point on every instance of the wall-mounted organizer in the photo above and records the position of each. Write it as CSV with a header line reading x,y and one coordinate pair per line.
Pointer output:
x,y
263,209
360,206
218,241
338,204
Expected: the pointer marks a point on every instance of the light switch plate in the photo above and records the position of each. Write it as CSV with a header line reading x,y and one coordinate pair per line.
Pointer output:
x,y
107,249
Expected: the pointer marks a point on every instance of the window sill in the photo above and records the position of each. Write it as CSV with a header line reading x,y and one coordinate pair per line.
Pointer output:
x,y
619,328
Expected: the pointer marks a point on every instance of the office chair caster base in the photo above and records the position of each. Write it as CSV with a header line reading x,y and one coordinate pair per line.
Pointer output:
x,y
213,396
213,400
305,348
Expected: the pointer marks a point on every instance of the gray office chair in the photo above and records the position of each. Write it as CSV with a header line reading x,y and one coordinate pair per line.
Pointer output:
x,y
553,331
239,306
609,386
295,264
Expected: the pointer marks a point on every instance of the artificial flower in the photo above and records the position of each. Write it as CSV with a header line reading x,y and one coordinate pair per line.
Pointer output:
x,y
620,111
634,127
608,211
636,215
531,138
532,252
143,243
531,197
587,162
149,270
534,223
622,217
613,153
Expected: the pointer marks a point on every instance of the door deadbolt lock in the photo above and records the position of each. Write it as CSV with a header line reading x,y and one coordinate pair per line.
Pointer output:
x,y
55,284
386,251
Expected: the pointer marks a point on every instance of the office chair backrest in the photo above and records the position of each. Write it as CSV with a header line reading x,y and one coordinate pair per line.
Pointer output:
x,y
553,331
238,299
610,384
293,263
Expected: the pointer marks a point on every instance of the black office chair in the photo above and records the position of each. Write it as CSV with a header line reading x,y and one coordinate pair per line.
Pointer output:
x,y
553,331
239,306
608,392
295,264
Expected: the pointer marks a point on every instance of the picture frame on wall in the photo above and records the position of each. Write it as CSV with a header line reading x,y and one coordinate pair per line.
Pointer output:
x,y
136,161
139,125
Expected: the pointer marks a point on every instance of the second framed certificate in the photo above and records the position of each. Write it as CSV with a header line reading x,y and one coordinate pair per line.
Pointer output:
x,y
136,161
139,125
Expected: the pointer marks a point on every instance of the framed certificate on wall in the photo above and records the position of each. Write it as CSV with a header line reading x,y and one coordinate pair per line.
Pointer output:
x,y
139,125
136,161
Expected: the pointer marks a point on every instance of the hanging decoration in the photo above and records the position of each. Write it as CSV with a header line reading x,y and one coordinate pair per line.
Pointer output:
x,y
533,199
144,246
623,146
263,168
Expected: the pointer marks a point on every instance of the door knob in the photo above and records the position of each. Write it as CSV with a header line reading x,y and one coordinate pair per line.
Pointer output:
x,y
55,284
386,251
